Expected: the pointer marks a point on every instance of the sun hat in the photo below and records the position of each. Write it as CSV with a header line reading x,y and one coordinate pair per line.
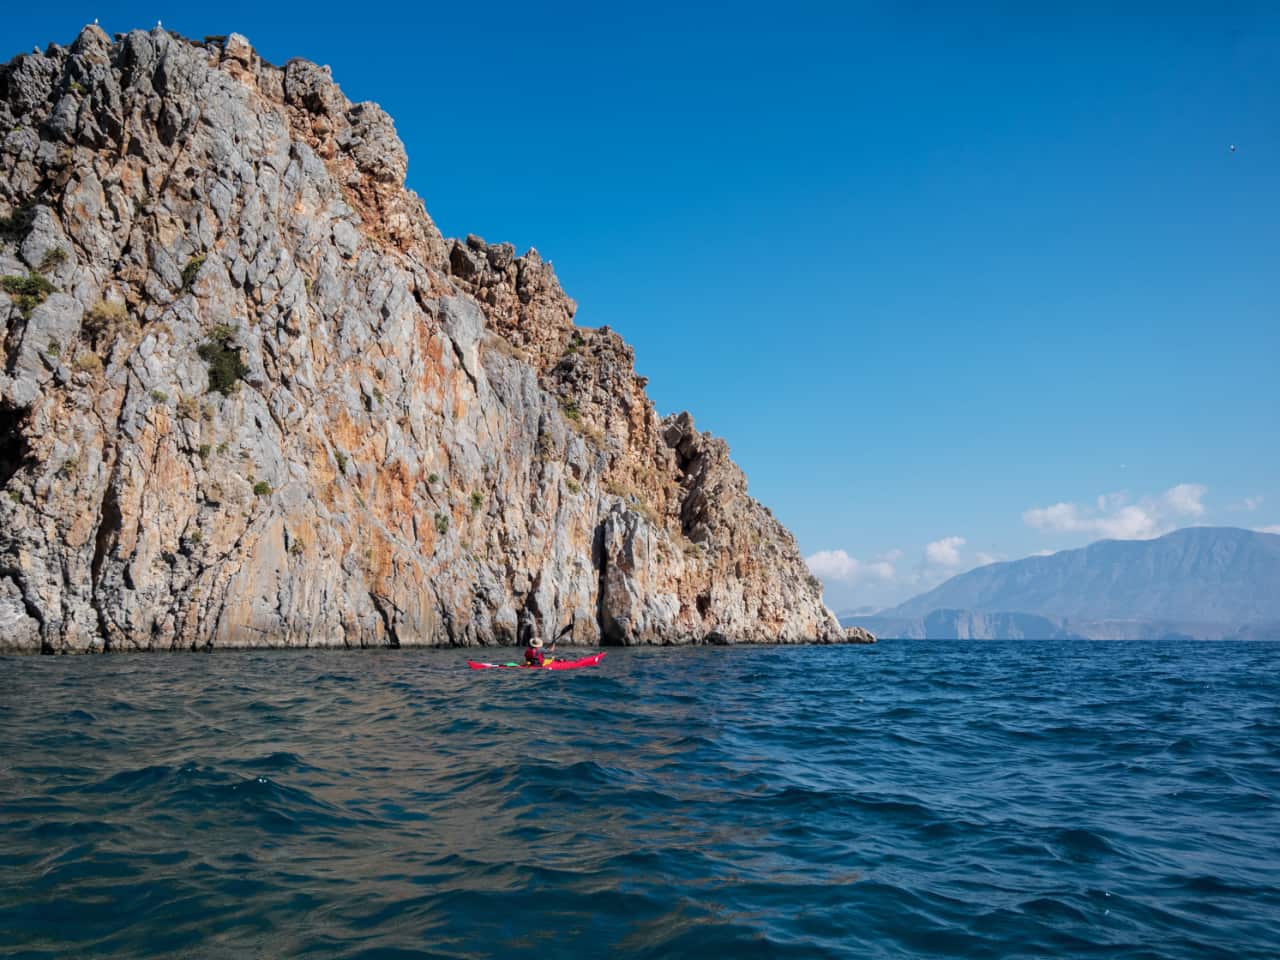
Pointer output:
x,y
536,643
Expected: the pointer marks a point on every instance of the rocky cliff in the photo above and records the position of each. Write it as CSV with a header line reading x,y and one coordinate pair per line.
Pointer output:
x,y
252,397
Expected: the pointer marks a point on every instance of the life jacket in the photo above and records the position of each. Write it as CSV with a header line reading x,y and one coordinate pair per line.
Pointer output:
x,y
532,657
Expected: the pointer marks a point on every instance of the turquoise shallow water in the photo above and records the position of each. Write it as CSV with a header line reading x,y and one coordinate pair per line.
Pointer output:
x,y
910,799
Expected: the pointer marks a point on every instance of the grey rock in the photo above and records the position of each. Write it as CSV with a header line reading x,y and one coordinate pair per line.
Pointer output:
x,y
422,448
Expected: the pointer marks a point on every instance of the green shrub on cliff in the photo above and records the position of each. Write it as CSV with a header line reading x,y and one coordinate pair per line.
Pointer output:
x,y
226,368
27,292
191,271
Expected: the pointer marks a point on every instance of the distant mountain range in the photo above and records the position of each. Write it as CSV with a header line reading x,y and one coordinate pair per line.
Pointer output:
x,y
1207,583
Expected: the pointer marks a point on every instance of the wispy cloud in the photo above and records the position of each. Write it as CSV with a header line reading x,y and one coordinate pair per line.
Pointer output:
x,y
836,566
1112,515
944,552
1270,528
1247,504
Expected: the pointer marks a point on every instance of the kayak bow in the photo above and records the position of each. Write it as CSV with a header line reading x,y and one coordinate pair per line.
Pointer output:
x,y
588,661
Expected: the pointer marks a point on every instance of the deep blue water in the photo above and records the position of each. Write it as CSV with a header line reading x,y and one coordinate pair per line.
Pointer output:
x,y
912,799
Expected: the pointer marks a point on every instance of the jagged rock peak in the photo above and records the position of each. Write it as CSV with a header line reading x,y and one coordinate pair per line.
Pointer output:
x,y
250,396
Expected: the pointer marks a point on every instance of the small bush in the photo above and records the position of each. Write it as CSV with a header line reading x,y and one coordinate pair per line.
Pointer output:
x,y
296,548
27,292
55,258
54,349
433,479
191,271
204,451
69,467
442,523
574,343
570,409
107,320
87,363
75,86
342,460
159,396
477,501
16,497
573,485
262,488
188,408
226,368
195,536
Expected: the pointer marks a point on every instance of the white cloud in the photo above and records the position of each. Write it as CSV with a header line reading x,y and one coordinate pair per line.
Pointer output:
x,y
985,559
838,566
944,552
1114,517
1184,499
1248,504
1272,528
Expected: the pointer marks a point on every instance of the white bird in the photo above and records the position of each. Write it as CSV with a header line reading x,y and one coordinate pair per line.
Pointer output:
x,y
95,21
1232,148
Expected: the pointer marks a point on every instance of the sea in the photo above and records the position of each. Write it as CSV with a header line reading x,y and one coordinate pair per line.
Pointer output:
x,y
907,799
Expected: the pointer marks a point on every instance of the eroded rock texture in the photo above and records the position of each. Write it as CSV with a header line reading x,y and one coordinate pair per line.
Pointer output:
x,y
252,397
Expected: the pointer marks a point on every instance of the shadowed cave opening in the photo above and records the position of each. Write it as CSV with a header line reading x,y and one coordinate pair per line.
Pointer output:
x,y
13,444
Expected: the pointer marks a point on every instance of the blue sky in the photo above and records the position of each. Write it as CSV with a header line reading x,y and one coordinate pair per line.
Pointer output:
x,y
987,277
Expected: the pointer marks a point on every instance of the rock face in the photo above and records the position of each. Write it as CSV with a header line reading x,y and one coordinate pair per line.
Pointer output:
x,y
250,396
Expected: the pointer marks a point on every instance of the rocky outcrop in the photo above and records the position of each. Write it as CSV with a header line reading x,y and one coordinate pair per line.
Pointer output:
x,y
252,397
858,635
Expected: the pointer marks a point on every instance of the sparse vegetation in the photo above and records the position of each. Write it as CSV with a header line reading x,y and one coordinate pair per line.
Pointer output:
x,y
226,368
27,292
75,86
342,460
16,497
87,363
433,479
204,451
69,467
296,548
53,259
442,523
574,343
573,485
188,408
477,501
570,410
195,536
107,320
54,349
262,489
191,271
159,396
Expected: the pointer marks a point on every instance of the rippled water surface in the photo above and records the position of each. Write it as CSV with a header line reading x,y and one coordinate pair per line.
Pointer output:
x,y
908,799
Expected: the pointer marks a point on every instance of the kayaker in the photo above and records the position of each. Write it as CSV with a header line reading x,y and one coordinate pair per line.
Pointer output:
x,y
533,656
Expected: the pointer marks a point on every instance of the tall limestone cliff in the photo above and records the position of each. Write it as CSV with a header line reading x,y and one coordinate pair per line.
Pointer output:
x,y
250,396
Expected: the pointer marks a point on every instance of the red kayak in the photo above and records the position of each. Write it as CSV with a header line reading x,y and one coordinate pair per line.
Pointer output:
x,y
590,661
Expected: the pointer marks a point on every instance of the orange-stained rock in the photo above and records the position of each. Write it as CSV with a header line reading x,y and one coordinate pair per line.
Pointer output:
x,y
266,403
